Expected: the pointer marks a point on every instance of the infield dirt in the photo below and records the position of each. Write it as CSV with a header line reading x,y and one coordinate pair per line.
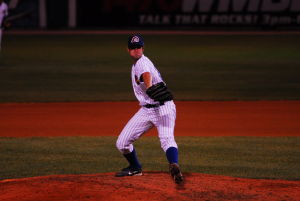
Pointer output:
x,y
228,118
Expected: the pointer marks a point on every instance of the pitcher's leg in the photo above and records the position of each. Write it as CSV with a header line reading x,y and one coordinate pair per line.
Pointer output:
x,y
165,127
136,127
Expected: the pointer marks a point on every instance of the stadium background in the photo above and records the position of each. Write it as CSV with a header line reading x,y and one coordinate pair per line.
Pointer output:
x,y
235,61
156,14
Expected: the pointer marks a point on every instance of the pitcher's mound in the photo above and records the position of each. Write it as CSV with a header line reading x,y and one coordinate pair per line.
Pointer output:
x,y
151,186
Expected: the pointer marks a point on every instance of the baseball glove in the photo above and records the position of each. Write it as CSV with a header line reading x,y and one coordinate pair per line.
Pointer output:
x,y
159,92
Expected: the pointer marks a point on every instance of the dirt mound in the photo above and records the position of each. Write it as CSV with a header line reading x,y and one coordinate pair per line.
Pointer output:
x,y
152,186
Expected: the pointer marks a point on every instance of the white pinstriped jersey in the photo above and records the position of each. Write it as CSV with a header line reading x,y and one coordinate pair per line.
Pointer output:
x,y
162,117
141,66
3,11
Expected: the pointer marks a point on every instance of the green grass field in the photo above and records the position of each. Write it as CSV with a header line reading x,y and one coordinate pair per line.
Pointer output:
x,y
97,67
249,157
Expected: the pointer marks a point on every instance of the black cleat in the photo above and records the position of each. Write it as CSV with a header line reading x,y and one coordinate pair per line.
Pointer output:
x,y
129,171
176,173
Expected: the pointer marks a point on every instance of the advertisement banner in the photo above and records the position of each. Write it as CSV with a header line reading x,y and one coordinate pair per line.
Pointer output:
x,y
268,14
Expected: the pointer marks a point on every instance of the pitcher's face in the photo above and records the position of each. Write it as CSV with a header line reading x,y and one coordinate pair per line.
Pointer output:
x,y
136,53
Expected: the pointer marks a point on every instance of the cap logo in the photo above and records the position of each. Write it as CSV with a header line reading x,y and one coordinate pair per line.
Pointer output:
x,y
135,39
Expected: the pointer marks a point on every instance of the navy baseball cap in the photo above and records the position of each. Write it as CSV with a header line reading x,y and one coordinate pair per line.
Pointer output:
x,y
135,41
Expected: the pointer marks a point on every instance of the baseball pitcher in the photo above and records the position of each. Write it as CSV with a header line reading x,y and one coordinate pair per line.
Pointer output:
x,y
157,109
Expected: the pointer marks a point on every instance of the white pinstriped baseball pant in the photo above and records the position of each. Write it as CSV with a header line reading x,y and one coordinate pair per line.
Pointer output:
x,y
163,118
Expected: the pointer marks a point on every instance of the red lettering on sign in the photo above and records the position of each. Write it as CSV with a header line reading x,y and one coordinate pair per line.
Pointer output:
x,y
169,5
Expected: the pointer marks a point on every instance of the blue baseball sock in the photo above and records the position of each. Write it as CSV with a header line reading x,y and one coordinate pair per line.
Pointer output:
x,y
132,159
172,155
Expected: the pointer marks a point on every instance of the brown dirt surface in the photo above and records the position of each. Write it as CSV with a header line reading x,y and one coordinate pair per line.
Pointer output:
x,y
152,186
194,118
